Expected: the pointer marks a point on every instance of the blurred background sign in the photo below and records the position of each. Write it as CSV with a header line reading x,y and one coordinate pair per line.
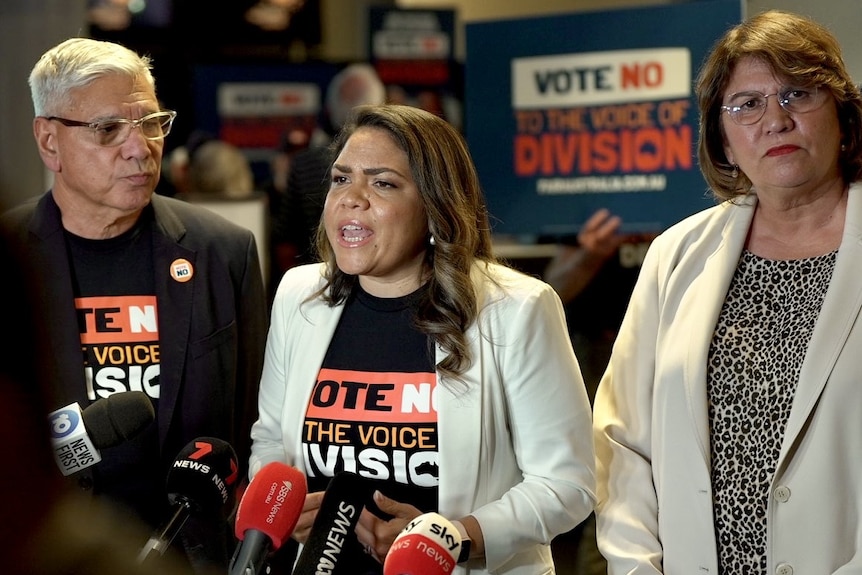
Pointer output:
x,y
567,114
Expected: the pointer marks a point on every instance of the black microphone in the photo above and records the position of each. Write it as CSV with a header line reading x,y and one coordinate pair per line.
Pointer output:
x,y
198,484
324,551
267,515
78,435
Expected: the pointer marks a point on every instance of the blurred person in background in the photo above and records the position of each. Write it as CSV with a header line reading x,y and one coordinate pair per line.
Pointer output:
x,y
176,165
307,180
594,276
219,169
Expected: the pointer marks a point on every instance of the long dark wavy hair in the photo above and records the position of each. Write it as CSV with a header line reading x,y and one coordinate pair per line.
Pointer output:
x,y
448,185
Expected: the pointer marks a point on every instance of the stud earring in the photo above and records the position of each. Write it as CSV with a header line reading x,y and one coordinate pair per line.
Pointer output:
x,y
432,241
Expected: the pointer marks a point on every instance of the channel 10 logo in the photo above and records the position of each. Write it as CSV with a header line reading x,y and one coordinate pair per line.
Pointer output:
x,y
64,422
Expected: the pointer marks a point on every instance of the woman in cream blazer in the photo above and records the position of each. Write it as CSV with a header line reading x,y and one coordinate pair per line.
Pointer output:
x,y
727,425
655,510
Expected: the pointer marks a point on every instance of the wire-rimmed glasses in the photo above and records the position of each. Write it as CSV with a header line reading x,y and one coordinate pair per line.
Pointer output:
x,y
115,131
746,108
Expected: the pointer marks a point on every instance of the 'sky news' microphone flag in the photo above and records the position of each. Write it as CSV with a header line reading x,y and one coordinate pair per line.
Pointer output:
x,y
78,435
428,545
267,515
199,483
324,551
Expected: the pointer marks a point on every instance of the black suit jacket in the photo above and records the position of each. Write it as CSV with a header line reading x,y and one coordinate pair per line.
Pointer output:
x,y
212,329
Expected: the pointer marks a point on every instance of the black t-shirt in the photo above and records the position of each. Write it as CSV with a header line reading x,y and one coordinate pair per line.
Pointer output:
x,y
377,344
117,316
373,410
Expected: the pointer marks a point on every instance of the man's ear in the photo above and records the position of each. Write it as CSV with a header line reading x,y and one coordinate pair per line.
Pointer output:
x,y
46,142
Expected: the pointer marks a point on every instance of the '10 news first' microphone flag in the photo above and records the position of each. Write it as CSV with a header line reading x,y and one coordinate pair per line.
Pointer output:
x,y
199,483
78,435
428,545
267,515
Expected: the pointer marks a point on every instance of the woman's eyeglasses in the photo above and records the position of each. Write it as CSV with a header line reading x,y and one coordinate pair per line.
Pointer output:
x,y
746,108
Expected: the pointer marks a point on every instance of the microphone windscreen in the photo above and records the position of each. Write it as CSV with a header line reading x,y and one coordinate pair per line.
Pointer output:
x,y
202,475
324,550
117,418
272,503
428,545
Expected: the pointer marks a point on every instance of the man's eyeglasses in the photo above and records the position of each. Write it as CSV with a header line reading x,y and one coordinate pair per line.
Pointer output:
x,y
114,132
746,108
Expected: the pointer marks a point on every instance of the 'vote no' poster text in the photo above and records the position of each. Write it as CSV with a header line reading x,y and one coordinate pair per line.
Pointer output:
x,y
570,113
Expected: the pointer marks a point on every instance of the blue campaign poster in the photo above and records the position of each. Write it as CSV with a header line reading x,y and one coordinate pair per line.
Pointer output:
x,y
259,107
569,113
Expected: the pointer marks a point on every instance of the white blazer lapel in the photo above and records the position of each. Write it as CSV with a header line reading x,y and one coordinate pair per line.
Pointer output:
x,y
704,301
460,424
839,313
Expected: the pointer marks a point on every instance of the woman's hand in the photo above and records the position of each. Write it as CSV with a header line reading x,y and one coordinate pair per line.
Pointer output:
x,y
375,534
306,518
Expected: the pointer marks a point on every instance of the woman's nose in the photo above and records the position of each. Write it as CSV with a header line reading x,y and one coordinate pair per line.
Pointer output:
x,y
775,117
354,196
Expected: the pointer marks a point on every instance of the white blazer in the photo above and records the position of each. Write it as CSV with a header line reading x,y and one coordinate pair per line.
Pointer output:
x,y
515,448
655,511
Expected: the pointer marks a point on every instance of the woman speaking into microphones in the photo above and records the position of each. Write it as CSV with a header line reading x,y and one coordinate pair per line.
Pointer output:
x,y
412,359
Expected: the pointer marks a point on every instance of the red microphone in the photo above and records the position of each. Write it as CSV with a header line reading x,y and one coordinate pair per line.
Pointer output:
x,y
267,515
428,545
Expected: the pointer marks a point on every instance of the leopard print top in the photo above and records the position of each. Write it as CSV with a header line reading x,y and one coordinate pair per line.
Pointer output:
x,y
754,361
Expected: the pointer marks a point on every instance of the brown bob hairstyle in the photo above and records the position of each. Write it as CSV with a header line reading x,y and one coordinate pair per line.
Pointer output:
x,y
798,49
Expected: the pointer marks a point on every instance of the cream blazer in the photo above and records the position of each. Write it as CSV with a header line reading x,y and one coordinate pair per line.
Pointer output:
x,y
515,448
650,416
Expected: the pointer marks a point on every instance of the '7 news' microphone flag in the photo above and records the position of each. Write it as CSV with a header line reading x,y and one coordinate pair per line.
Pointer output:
x,y
200,483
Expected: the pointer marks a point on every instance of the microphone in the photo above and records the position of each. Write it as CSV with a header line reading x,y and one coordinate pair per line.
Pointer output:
x,y
324,551
197,484
266,516
78,435
428,545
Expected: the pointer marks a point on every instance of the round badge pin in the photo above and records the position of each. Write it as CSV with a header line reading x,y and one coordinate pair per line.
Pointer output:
x,y
182,270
